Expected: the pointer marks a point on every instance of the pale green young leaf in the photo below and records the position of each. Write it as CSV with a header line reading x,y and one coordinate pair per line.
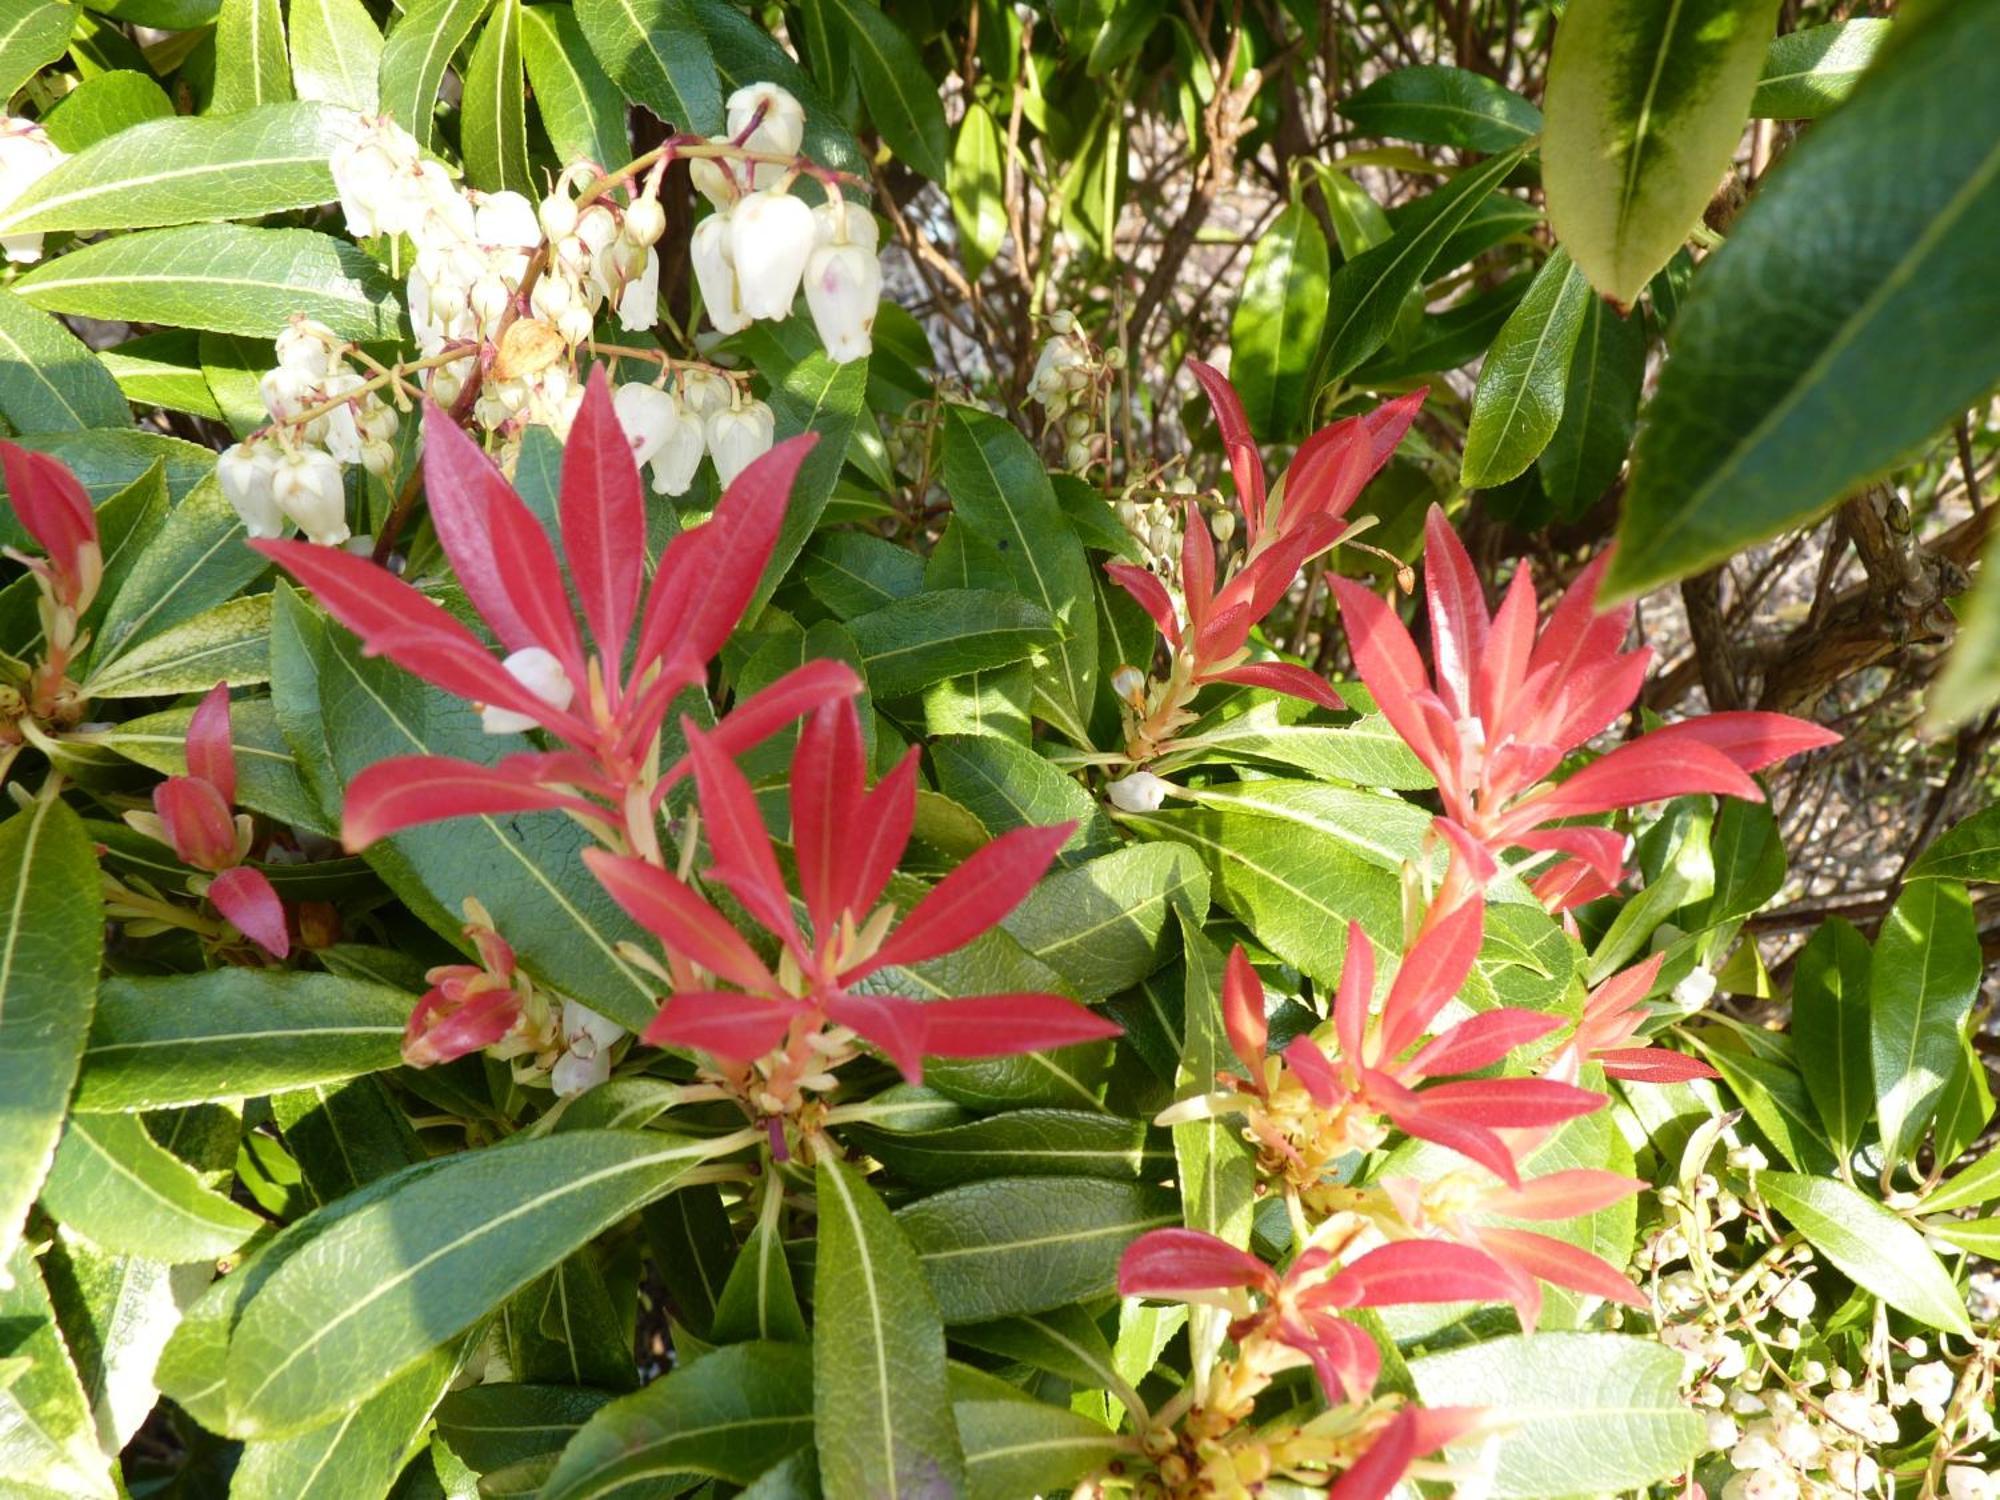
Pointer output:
x,y
496,107
1920,990
1808,72
252,65
977,201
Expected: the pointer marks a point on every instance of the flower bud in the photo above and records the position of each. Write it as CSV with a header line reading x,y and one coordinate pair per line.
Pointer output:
x,y
589,1038
771,238
709,247
704,393
639,302
537,670
309,491
558,215
676,460
307,347
506,218
843,286
780,131
465,1010
738,437
648,415
197,822
575,325
645,221
245,474
712,180
839,222
1140,792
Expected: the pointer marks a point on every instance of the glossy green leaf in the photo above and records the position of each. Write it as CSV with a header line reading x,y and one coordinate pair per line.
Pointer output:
x,y
492,1426
758,1300
115,1186
252,64
1968,851
49,380
33,34
1600,410
815,395
222,277
1280,315
1920,991
1032,1142
47,1430
1524,383
1013,1245
1808,72
229,643
420,47
336,53
656,51
1789,332
496,106
851,572
1015,1448
193,563
1103,924
1364,753
162,369
579,106
1645,105
915,642
1830,1023
977,189
897,88
1367,293
1869,1245
1006,785
882,1411
100,107
267,778
51,940
384,1284
1977,1184
1065,1341
1965,1108
189,170
730,1414
233,1033
116,1313
1584,1413
1776,1099
1442,106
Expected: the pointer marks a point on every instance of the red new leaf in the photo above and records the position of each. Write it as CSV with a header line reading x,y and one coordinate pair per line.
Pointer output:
x,y
1171,1262
603,518
211,756
407,790
1002,1025
245,897
971,898
735,1028
679,918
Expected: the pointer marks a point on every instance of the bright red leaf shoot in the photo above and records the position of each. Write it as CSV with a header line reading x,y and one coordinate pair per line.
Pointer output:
x,y
1209,632
1508,704
194,816
777,1035
1612,1017
605,699
54,508
485,1006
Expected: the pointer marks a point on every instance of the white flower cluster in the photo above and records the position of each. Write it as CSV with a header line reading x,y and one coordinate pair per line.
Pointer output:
x,y
1071,379
26,155
670,430
324,416
753,253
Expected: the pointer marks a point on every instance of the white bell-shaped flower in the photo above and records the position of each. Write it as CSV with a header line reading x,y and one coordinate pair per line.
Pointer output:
x,y
639,302
781,127
710,248
506,219
649,416
586,1061
771,237
838,222
537,670
675,461
645,220
712,180
1140,792
245,472
379,176
738,436
309,490
843,289
308,347
704,393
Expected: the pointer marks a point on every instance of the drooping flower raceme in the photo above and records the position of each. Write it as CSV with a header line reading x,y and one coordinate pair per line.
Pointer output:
x,y
1208,628
1509,703
781,1031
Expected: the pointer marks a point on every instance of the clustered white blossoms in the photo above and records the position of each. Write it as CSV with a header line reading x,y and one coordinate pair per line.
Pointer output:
x,y
324,416
26,155
752,255
1072,377
670,430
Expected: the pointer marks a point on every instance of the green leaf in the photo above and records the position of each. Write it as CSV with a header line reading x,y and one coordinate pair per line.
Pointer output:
x,y
496,107
491,1426
1970,681
49,380
1525,380
222,277
745,53
882,1411
851,572
897,88
1964,1108
1869,1245
1580,1413
251,62
1967,851
977,189
233,1033
1977,1184
111,1183
51,940
1920,991
815,395
267,778
1600,410
336,53
384,1284
758,1300
46,1427
1777,1100
1441,106
1102,924
1981,1237
1368,292
228,644
360,1453
1008,786
189,170
193,563
1013,1245
1035,1142
1645,107
100,107
1002,494
579,106
33,34
116,1313
162,369
1830,1025
1366,752
1279,317
731,1414
655,50
1806,73
419,49
915,642
1788,332
1025,1447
